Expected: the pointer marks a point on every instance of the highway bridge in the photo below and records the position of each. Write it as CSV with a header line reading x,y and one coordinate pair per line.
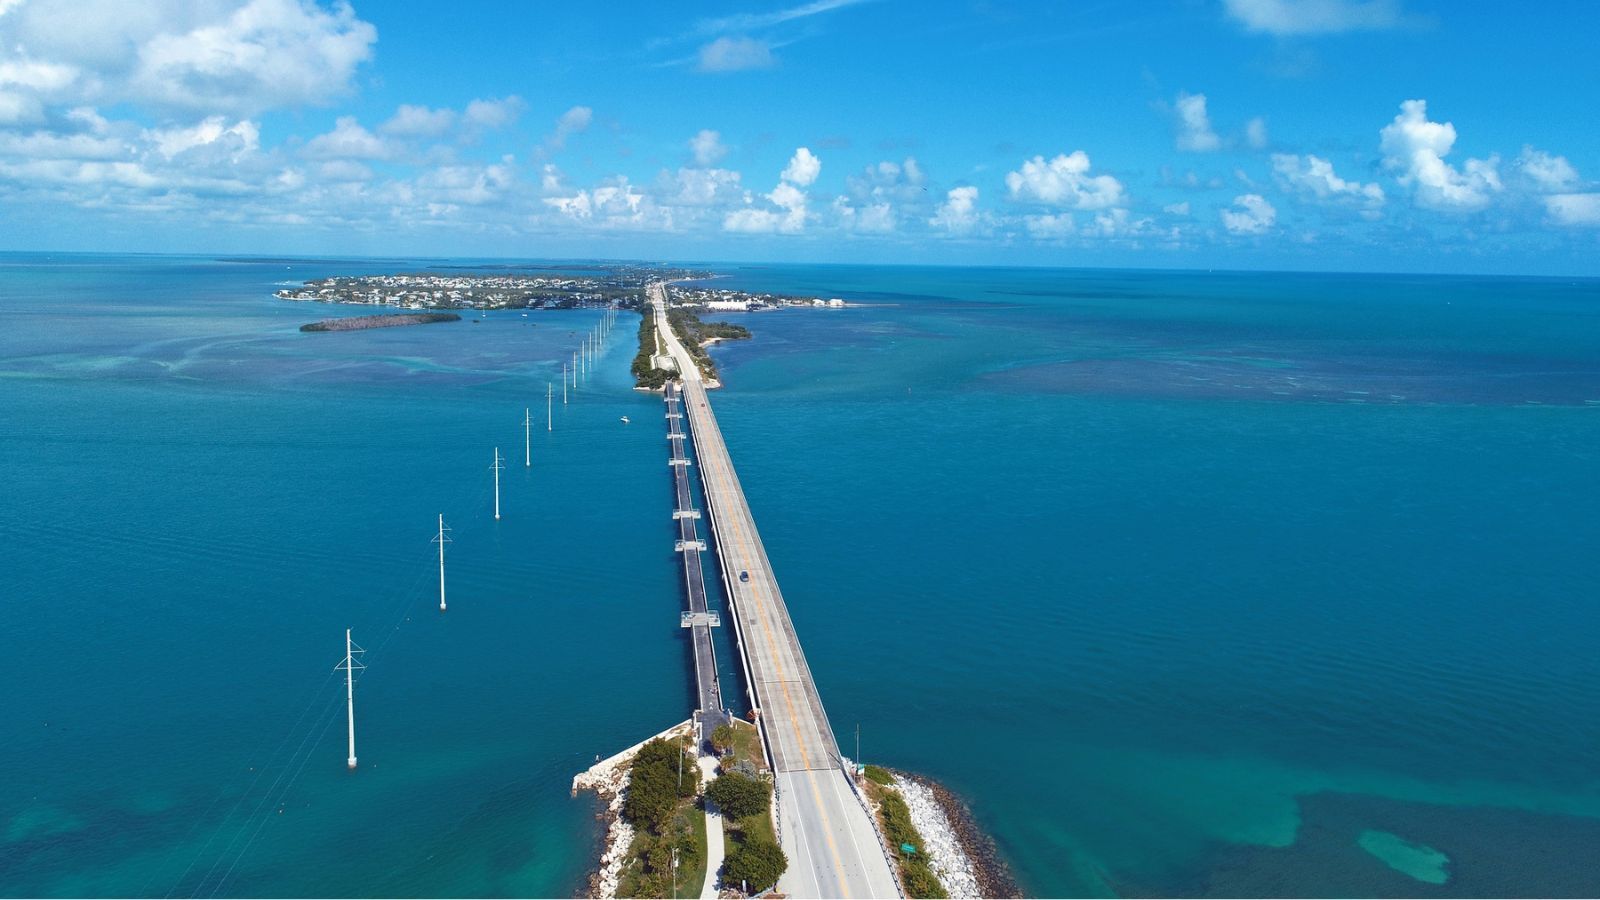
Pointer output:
x,y
823,823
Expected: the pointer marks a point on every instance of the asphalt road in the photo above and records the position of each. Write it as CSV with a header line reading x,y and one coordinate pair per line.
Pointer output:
x,y
826,832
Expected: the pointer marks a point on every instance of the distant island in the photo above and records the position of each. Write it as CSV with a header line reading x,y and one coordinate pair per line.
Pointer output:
x,y
361,323
613,286
728,300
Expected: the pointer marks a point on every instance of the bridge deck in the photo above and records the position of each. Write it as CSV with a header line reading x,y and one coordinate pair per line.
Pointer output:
x,y
825,829
708,688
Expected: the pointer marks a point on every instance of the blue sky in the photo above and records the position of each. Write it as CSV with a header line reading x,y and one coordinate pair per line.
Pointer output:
x,y
1395,135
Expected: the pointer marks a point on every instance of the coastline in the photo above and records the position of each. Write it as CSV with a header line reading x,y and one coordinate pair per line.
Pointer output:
x,y
973,854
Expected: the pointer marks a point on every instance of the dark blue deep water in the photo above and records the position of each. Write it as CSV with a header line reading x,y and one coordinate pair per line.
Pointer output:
x,y
1189,583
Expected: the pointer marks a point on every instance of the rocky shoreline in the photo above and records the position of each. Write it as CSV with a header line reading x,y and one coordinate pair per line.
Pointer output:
x,y
612,790
978,858
608,778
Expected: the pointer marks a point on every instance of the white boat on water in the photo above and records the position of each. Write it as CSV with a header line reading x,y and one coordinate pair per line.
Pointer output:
x,y
624,420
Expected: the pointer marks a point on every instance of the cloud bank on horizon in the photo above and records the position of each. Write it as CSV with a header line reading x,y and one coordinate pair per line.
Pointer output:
x,y
1262,132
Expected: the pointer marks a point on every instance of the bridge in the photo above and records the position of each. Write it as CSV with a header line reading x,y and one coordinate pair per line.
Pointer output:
x,y
698,618
823,823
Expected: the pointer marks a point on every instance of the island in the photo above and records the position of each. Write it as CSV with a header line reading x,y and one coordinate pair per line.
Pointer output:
x,y
729,300
361,323
498,289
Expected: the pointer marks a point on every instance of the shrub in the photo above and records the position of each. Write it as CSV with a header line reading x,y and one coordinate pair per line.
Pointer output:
x,y
757,864
897,825
739,795
920,882
878,774
722,738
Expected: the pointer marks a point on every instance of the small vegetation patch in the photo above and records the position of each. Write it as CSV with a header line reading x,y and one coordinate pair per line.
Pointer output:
x,y
878,774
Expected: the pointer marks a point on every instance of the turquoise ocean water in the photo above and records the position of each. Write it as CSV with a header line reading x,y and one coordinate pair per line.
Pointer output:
x,y
1190,583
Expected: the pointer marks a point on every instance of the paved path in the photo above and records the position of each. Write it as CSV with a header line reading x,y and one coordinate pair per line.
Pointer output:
x,y
714,846
825,829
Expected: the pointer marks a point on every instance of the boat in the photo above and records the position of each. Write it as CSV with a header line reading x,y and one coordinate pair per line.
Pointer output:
x,y
624,420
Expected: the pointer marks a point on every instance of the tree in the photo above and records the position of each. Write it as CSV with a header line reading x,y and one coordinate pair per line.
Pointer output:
x,y
739,795
652,796
659,777
722,738
757,864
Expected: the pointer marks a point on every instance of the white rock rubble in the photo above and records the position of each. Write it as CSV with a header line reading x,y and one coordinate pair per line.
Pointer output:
x,y
946,857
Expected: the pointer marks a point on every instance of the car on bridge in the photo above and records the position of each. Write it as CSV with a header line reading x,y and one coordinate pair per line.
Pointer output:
x,y
744,577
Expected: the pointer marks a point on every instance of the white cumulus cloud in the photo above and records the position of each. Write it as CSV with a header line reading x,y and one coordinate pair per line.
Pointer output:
x,y
347,140
803,168
238,139
419,121
498,113
1252,214
1054,226
617,205
881,195
1574,209
790,214
1194,125
700,187
574,121
958,214
267,53
1314,176
1416,147
872,218
1546,172
707,147
1064,181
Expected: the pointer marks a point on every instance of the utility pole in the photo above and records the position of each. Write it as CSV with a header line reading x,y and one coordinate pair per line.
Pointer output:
x,y
497,467
549,406
441,540
350,667
527,437
563,384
